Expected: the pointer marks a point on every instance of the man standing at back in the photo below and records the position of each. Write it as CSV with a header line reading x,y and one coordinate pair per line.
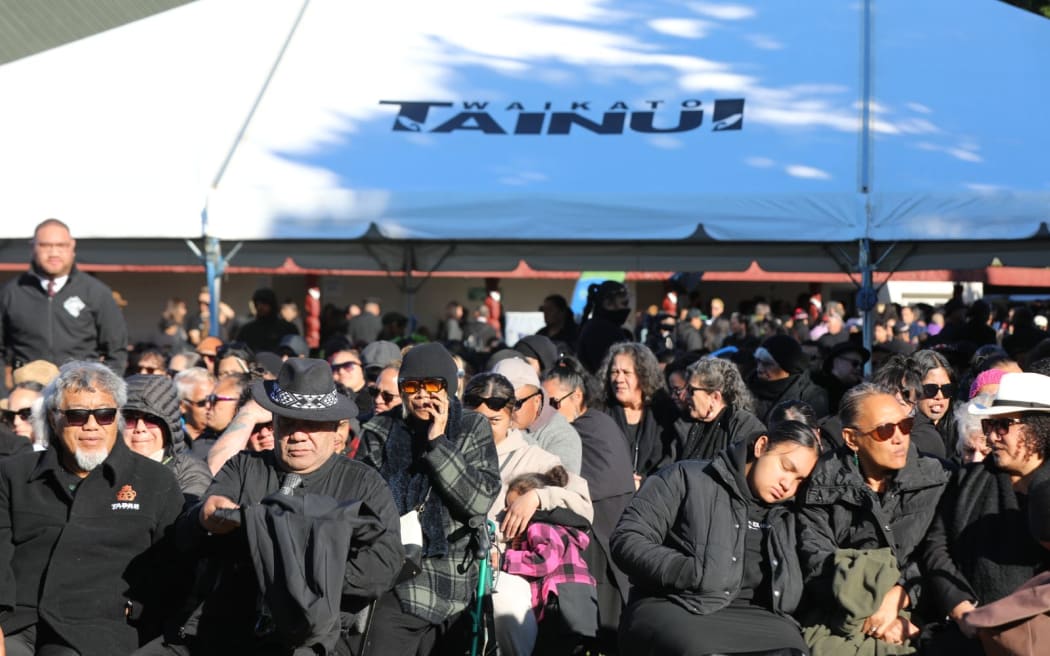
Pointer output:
x,y
55,312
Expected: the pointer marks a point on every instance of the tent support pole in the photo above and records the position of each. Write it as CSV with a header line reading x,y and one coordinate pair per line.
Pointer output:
x,y
866,296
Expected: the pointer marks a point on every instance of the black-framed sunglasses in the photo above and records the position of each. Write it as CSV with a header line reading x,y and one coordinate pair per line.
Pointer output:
x,y
929,390
9,415
349,364
149,371
131,417
883,432
388,397
556,403
197,404
496,403
80,416
428,385
520,402
266,425
998,425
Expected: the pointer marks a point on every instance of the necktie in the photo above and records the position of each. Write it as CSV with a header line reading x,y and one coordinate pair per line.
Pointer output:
x,y
290,482
50,288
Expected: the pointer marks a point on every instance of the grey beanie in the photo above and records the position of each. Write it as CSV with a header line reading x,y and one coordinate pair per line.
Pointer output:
x,y
158,396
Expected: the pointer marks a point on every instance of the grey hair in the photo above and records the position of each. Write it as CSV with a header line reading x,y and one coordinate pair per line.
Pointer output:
x,y
723,376
967,422
646,368
849,406
78,376
188,379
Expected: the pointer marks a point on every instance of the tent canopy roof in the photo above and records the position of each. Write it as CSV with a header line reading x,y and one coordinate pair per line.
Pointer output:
x,y
584,134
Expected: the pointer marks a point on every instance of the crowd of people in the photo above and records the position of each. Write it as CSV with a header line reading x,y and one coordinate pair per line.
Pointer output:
x,y
689,482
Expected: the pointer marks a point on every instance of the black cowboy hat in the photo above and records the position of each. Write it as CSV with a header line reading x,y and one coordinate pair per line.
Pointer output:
x,y
304,389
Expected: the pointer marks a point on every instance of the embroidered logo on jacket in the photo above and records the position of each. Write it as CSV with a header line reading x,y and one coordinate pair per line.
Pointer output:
x,y
125,497
74,306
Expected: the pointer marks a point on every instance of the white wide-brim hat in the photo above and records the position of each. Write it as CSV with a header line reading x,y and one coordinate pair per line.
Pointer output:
x,y
1017,393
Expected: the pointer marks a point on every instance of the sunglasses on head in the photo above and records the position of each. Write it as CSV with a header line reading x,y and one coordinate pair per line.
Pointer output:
x,y
80,416
556,403
929,390
428,385
493,402
883,432
388,397
132,417
999,425
9,415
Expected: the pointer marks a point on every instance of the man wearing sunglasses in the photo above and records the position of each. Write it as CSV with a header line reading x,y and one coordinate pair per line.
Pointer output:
x,y
442,460
385,392
194,385
538,420
981,546
18,414
83,568
348,370
294,517
876,492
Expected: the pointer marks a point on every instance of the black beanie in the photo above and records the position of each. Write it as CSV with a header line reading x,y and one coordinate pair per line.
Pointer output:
x,y
430,360
158,396
539,347
787,353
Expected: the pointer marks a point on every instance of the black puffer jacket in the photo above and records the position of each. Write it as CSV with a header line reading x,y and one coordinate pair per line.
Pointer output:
x,y
839,511
682,537
705,439
797,387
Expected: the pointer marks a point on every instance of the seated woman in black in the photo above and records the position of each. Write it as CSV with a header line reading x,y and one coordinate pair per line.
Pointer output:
x,y
710,548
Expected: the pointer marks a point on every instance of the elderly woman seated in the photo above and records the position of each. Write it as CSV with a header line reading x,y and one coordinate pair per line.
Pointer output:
x,y
980,547
721,408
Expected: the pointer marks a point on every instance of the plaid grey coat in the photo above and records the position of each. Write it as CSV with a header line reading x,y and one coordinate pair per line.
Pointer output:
x,y
464,473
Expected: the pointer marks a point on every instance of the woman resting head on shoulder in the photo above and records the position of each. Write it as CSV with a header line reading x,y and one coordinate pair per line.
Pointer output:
x,y
711,550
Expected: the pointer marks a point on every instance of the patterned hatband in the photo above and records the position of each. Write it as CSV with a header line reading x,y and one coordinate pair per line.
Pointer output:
x,y
287,399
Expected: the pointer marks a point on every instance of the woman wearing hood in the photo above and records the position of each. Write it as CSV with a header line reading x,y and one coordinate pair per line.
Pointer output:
x,y
152,428
711,550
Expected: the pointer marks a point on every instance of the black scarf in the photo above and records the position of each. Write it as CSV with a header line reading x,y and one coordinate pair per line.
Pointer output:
x,y
406,473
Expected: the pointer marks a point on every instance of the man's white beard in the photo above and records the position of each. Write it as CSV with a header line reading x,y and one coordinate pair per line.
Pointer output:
x,y
88,460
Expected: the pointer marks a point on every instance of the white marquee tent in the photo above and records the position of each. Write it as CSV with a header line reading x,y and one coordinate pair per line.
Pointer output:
x,y
572,134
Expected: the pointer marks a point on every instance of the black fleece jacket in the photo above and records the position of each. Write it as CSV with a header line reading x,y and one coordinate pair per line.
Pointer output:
x,y
81,322
77,559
